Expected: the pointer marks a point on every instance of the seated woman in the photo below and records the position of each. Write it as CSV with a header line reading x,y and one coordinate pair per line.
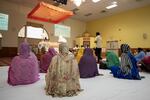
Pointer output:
x,y
87,65
24,68
46,59
147,52
145,64
128,68
112,59
79,54
62,78
140,55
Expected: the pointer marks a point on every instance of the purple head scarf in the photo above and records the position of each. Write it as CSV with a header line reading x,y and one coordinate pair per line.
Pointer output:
x,y
24,50
87,64
46,60
52,51
24,68
88,52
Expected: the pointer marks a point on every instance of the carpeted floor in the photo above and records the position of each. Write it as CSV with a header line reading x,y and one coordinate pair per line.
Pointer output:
x,y
98,88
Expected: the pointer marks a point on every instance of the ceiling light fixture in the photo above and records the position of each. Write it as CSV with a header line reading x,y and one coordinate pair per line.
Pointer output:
x,y
95,1
79,2
114,4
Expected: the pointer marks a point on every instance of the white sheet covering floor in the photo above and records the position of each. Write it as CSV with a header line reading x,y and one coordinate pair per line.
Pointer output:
x,y
98,88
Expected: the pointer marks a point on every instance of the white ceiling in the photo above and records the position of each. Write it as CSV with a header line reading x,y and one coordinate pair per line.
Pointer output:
x,y
90,7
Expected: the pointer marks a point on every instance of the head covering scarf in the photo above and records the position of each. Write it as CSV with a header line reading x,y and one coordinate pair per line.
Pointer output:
x,y
62,78
88,52
52,51
24,50
87,64
112,59
125,48
128,69
24,68
46,59
64,52
126,63
63,48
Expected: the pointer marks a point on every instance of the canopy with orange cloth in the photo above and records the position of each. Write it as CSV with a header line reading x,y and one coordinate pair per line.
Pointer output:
x,y
49,13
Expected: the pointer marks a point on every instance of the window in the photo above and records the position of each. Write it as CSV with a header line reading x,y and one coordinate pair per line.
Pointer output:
x,y
33,32
22,32
0,35
62,30
4,21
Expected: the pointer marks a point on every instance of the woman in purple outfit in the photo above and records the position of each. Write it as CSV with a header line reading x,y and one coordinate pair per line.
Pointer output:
x,y
24,68
87,65
46,60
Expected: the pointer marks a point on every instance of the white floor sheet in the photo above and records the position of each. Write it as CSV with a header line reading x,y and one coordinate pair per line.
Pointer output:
x,y
98,88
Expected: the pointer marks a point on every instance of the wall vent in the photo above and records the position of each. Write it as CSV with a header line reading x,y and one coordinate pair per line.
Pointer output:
x,y
103,11
88,14
75,10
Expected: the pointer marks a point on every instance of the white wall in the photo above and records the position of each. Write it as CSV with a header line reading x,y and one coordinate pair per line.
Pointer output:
x,y
17,18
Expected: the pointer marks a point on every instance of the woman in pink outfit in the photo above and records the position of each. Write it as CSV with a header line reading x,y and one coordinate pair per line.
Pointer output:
x,y
24,68
46,60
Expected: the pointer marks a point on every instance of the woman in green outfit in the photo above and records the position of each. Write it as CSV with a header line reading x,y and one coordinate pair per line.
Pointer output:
x,y
112,59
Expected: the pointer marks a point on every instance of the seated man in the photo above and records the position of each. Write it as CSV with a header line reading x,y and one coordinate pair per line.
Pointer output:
x,y
46,59
24,68
128,68
87,64
62,78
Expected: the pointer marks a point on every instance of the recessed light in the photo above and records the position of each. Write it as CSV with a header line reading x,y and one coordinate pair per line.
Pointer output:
x,y
114,4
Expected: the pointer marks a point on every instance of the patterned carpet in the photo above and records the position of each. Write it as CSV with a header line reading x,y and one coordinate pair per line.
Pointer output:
x,y
5,61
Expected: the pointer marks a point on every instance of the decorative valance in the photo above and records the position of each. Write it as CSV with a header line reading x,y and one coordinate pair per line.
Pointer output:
x,y
49,13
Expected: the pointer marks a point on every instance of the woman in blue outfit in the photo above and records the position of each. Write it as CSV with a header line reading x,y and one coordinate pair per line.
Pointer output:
x,y
87,65
140,55
128,68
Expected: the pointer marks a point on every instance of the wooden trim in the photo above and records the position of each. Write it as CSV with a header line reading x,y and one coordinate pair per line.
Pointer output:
x,y
8,51
34,24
